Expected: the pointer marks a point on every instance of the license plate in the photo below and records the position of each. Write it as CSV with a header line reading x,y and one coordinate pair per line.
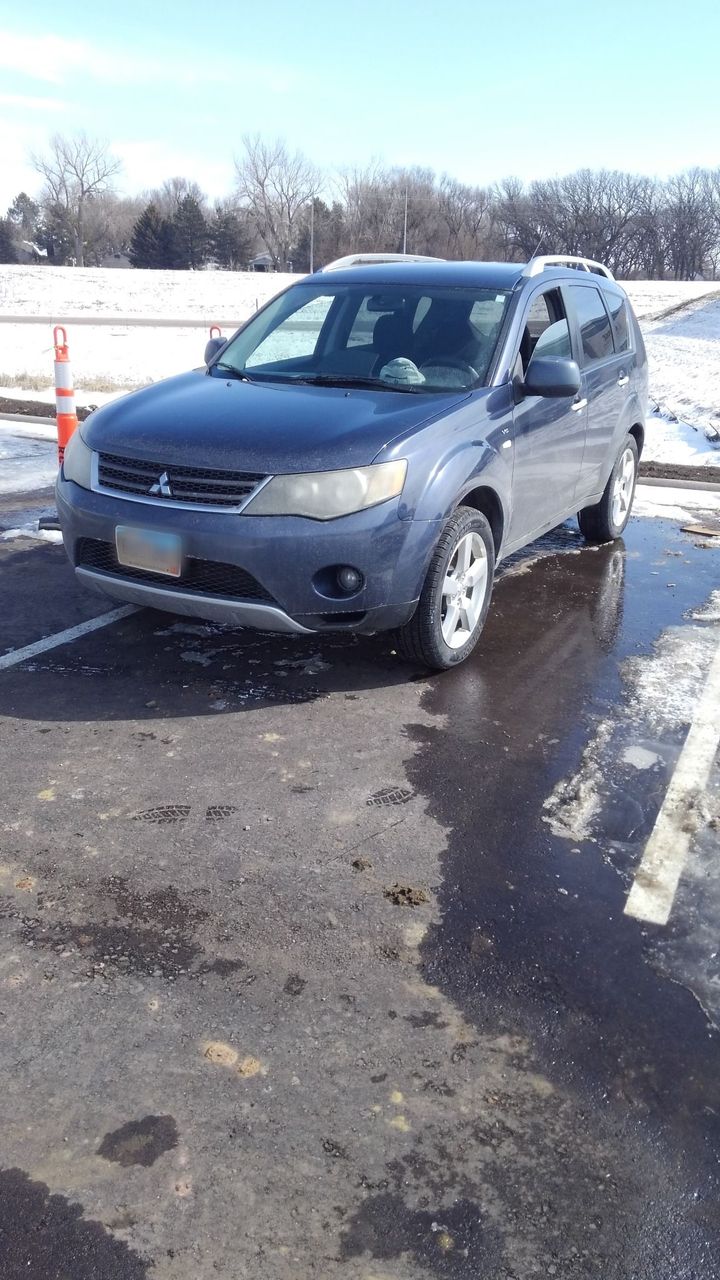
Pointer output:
x,y
149,549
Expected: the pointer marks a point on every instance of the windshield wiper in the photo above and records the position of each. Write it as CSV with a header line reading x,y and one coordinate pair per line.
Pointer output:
x,y
235,373
350,380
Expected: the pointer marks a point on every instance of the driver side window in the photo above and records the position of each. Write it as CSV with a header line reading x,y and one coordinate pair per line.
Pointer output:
x,y
546,331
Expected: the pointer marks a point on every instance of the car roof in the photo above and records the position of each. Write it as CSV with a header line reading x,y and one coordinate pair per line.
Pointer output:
x,y
483,275
479,275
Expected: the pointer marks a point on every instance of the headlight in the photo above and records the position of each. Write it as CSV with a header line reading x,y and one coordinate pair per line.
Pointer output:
x,y
77,463
325,495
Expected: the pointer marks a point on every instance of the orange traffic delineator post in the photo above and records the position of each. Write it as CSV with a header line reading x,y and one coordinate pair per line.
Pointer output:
x,y
65,411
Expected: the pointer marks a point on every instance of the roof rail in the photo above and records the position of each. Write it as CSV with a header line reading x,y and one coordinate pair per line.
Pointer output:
x,y
537,265
368,259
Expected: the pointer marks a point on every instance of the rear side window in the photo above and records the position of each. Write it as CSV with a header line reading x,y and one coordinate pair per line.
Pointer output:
x,y
595,332
619,316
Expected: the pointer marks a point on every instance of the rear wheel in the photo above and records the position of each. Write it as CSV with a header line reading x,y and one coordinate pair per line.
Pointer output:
x,y
455,597
606,519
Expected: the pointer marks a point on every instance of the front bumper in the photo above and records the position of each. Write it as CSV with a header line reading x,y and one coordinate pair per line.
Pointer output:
x,y
286,556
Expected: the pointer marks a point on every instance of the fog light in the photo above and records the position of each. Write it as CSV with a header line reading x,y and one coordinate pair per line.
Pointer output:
x,y
349,579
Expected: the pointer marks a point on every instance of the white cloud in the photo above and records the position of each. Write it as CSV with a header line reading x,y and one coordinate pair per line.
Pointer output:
x,y
24,102
57,60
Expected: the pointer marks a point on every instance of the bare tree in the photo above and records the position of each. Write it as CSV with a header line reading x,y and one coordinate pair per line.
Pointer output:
x,y
274,186
168,198
76,170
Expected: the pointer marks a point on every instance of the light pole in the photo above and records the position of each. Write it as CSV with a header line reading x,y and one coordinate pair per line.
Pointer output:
x,y
405,223
312,235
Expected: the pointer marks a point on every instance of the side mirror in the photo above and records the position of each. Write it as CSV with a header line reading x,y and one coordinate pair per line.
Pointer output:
x,y
213,347
552,376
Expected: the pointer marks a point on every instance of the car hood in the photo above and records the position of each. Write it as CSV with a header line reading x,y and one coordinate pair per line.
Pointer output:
x,y
198,420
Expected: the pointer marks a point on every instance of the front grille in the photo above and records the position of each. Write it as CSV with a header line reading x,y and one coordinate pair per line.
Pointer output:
x,y
200,486
199,577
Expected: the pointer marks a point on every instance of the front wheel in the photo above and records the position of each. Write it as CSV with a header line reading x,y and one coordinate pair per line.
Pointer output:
x,y
606,519
455,597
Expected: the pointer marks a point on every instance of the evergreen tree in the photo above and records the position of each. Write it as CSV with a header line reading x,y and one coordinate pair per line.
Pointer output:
x,y
146,240
25,214
8,252
191,234
170,255
230,239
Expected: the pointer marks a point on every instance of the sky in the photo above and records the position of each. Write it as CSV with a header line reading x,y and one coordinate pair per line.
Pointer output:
x,y
475,89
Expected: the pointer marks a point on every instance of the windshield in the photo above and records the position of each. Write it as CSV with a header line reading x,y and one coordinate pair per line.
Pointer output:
x,y
397,338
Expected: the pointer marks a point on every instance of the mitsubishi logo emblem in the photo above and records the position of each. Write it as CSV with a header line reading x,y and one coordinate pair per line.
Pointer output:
x,y
161,488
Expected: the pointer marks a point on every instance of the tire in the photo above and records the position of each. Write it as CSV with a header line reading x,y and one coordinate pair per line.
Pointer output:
x,y
429,638
606,520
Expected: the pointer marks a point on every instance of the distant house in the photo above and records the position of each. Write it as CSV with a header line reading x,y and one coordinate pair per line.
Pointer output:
x,y
261,262
28,251
115,260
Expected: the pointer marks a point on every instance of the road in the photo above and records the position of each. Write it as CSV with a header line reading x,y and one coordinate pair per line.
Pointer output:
x,y
314,965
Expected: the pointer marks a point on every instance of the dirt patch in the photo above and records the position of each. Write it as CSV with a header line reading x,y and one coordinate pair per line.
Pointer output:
x,y
672,471
35,408
151,934
405,895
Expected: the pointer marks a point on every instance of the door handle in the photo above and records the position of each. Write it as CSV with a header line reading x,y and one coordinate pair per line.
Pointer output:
x,y
623,380
577,405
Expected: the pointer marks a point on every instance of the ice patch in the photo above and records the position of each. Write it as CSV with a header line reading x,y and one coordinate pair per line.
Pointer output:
x,y
570,809
710,611
25,464
202,659
640,757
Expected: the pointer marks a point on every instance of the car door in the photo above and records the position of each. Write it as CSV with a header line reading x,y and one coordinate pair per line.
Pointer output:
x,y
549,433
607,378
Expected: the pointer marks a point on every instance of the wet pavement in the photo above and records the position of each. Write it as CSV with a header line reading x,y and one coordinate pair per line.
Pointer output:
x,y
314,965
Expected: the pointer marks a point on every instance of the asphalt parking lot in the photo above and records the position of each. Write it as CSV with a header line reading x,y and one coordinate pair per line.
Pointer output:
x,y
314,965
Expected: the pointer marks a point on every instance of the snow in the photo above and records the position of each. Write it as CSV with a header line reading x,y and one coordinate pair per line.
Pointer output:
x,y
679,443
29,430
684,360
25,465
651,297
31,530
671,503
210,297
83,399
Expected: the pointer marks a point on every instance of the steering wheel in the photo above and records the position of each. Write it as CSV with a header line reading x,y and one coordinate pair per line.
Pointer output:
x,y
451,362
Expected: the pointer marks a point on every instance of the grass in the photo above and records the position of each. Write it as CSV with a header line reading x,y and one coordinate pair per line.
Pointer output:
x,y
31,382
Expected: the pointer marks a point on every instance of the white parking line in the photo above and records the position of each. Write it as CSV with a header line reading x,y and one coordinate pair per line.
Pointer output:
x,y
65,637
658,875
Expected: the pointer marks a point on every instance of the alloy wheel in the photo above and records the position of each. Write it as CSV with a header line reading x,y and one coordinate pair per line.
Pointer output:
x,y
463,590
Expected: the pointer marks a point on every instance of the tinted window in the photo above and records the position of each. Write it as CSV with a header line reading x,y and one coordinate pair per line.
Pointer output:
x,y
619,316
595,331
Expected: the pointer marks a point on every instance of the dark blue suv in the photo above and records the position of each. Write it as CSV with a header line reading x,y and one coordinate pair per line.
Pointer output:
x,y
365,449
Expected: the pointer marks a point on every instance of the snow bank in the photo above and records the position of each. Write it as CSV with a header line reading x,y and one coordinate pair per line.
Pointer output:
x,y
684,355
